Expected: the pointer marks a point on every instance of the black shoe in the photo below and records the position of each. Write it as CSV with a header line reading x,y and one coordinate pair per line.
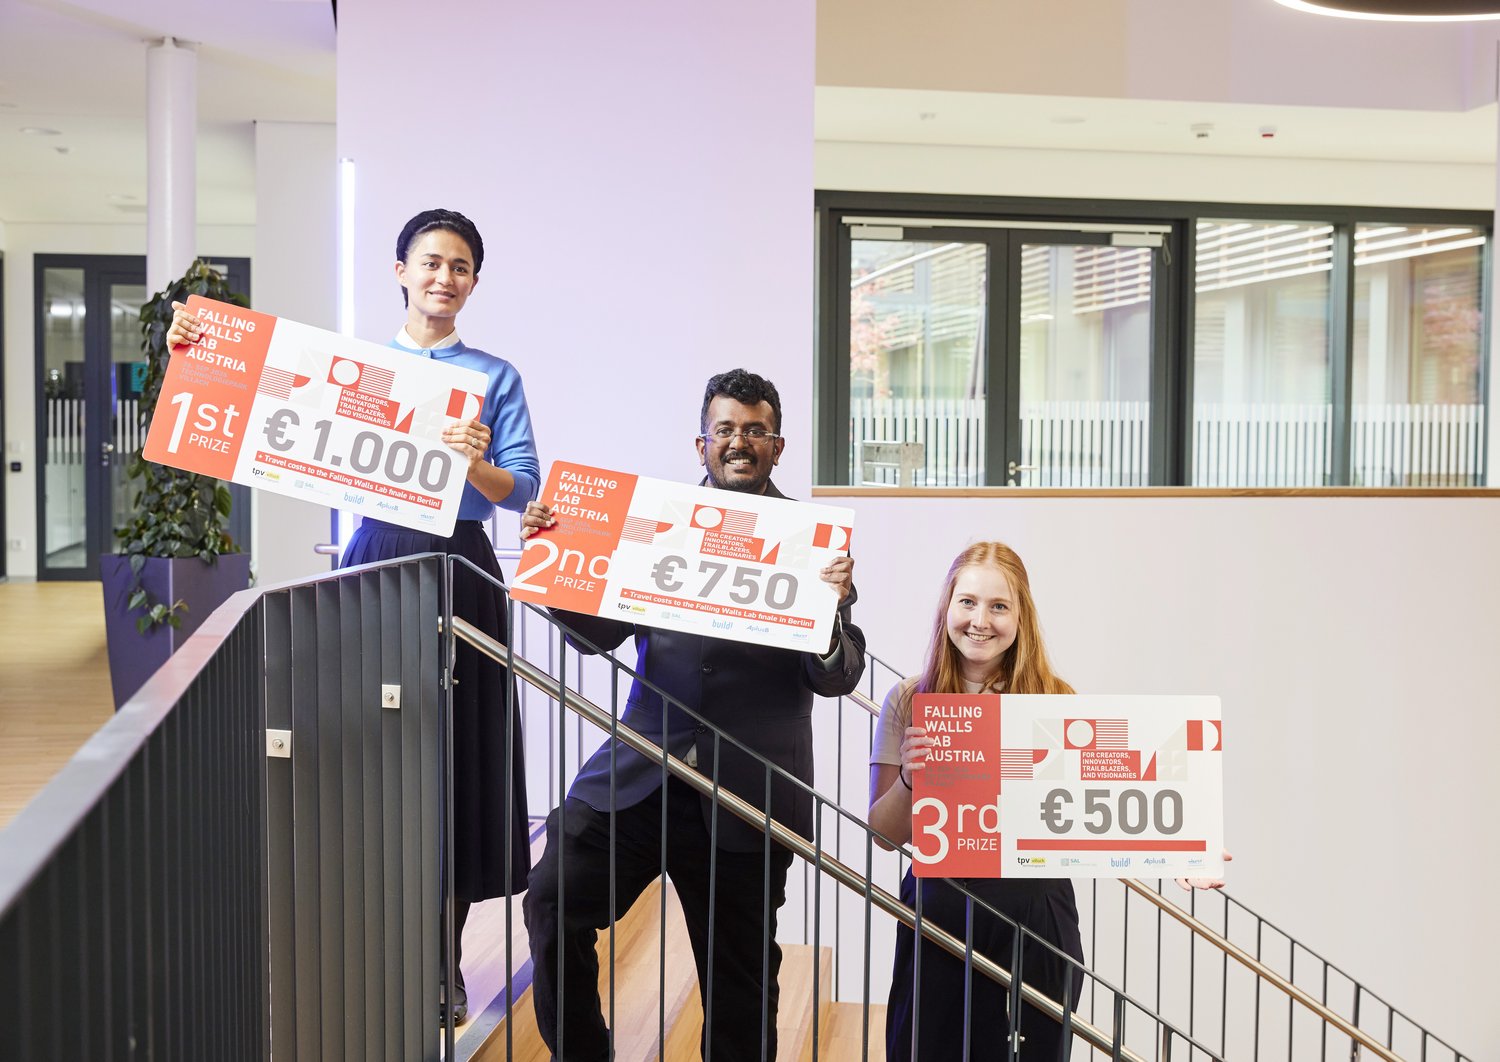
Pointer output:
x,y
460,1004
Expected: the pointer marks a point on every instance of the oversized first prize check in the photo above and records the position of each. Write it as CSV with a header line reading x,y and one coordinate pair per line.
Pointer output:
x,y
686,558
1069,787
311,414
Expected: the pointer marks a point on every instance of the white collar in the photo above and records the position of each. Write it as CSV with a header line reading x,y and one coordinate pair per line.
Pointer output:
x,y
404,338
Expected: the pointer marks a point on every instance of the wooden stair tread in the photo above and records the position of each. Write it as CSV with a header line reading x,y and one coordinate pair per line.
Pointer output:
x,y
636,982
794,1014
839,1034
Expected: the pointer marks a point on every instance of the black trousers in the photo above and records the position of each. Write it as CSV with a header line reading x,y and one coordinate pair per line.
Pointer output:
x,y
740,1001
1047,907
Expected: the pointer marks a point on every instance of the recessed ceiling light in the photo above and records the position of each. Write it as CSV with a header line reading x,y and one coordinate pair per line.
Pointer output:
x,y
1400,10
38,130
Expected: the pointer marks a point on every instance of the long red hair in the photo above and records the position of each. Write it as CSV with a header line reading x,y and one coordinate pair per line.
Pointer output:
x,y
1024,667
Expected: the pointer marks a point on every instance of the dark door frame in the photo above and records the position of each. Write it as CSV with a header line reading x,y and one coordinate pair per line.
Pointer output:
x,y
100,271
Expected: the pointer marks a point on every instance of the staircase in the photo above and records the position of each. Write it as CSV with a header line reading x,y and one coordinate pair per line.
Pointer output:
x,y
645,1000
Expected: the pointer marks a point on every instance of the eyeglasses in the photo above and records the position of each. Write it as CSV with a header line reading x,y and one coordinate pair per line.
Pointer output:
x,y
724,434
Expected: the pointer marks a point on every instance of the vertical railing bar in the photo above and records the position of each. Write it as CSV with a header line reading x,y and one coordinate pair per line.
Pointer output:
x,y
561,730
1224,988
661,944
864,1023
512,712
713,876
1013,1044
817,917
765,920
1259,929
614,745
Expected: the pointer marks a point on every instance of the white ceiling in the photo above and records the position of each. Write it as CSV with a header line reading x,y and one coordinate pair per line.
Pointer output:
x,y
876,115
80,67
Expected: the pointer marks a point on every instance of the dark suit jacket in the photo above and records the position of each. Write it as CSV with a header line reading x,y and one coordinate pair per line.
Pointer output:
x,y
762,697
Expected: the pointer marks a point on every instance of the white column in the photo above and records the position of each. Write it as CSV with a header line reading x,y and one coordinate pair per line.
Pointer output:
x,y
1492,458
171,160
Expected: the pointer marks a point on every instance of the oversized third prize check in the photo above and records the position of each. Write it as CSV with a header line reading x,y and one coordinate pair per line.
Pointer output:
x,y
1069,787
311,414
687,558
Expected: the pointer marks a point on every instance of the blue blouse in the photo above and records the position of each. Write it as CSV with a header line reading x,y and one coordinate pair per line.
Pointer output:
x,y
512,444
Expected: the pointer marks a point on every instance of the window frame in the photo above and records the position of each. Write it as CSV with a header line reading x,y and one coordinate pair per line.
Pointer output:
x,y
1174,306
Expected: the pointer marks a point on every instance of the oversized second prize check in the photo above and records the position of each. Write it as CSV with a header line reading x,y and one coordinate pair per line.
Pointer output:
x,y
311,414
687,558
1069,787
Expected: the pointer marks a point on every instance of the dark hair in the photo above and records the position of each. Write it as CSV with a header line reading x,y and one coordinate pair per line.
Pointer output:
x,y
744,387
449,220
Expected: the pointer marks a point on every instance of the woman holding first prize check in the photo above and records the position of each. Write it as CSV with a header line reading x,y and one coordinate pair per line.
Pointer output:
x,y
986,638
438,257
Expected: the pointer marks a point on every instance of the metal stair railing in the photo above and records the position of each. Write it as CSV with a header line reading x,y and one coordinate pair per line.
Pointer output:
x,y
812,852
1372,1023
553,683
1310,1022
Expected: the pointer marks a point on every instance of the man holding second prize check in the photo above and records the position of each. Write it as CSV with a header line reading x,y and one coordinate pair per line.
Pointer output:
x,y
758,695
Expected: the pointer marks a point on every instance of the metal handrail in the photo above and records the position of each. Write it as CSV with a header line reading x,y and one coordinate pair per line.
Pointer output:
x,y
1200,929
788,838
1261,970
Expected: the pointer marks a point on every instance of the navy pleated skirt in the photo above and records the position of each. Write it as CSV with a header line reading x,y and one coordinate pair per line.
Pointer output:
x,y
489,785
936,1014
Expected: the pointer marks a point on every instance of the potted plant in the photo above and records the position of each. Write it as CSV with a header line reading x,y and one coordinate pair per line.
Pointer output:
x,y
176,562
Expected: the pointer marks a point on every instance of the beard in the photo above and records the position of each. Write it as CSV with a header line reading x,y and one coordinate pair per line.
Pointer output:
x,y
748,478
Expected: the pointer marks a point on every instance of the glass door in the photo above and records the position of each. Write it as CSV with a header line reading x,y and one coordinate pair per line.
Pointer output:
x,y
68,448
997,355
90,374
918,320
1082,363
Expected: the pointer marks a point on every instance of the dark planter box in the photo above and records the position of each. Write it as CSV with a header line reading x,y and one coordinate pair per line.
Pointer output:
x,y
134,657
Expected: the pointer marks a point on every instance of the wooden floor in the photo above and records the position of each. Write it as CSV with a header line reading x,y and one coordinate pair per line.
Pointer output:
x,y
54,682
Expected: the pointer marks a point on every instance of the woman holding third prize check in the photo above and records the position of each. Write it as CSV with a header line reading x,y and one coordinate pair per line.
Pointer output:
x,y
438,257
986,638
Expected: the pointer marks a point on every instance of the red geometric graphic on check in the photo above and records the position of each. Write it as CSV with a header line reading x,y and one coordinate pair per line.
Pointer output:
x,y
278,383
639,529
1205,735
727,521
831,536
1095,733
1019,763
372,380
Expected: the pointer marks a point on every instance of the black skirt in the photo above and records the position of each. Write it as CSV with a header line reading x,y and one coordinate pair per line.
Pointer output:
x,y
1047,907
489,787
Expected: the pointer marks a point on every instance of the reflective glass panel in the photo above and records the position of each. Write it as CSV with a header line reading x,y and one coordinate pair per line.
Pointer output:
x,y
916,361
1418,411
63,386
1085,366
1261,414
128,375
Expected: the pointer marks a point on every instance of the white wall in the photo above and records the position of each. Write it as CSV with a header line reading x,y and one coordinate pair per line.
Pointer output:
x,y
22,242
643,179
1351,640
296,244
847,166
642,176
